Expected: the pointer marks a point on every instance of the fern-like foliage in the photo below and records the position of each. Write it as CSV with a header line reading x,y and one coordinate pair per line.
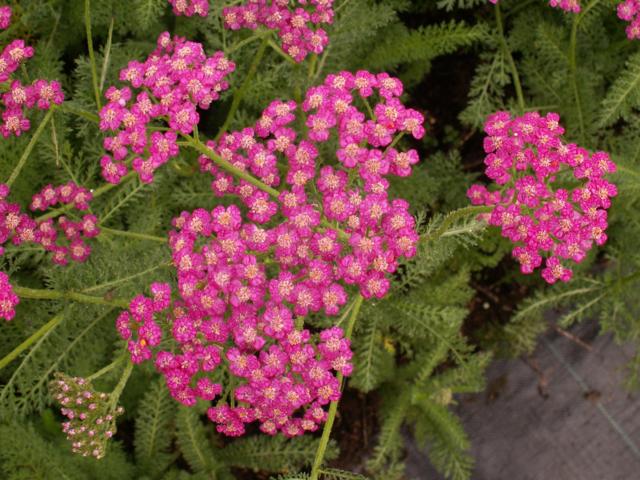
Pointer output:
x,y
154,432
623,95
192,440
273,454
424,44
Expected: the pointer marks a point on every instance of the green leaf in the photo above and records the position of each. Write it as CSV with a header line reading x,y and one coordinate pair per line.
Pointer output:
x,y
153,433
624,95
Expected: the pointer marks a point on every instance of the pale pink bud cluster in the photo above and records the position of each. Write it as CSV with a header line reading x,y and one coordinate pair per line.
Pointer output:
x,y
15,102
629,10
21,228
189,8
525,155
296,22
167,89
91,419
8,299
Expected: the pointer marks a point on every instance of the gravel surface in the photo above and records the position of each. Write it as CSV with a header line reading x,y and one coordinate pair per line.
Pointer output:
x,y
561,414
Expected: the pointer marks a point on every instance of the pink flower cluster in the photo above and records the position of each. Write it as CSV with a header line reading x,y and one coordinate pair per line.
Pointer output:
x,y
629,10
18,98
174,81
296,22
280,371
8,299
91,420
242,284
190,8
67,194
525,156
567,5
20,228
353,224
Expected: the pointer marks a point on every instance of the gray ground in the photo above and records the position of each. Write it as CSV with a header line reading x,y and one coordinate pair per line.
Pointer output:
x,y
563,414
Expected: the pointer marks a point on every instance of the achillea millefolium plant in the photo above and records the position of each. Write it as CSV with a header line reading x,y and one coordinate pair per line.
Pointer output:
x,y
225,223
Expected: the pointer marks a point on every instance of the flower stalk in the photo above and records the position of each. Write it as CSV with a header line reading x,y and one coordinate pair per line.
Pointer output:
x,y
333,408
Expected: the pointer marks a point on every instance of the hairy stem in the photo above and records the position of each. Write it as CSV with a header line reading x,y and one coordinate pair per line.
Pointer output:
x,y
118,281
30,146
276,48
512,64
573,66
117,391
42,294
229,167
573,73
136,235
240,93
92,56
31,340
96,193
108,368
67,108
333,408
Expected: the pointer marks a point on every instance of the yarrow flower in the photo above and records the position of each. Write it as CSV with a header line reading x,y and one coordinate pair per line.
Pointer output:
x,y
8,299
367,232
91,419
167,89
14,103
525,157
189,8
246,275
629,10
295,22
284,375
20,228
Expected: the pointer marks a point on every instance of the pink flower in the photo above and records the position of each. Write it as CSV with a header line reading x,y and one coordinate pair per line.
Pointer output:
x,y
298,23
178,78
189,8
526,154
8,299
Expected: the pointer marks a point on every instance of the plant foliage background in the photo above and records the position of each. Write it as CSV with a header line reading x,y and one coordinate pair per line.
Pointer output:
x,y
414,351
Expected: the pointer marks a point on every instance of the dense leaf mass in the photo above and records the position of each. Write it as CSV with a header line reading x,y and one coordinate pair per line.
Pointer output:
x,y
257,239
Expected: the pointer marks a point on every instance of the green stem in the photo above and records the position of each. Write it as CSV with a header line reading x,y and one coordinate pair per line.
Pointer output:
x,y
333,408
136,235
512,64
229,167
233,170
455,215
41,294
395,141
96,193
312,67
115,394
118,281
243,43
92,117
573,73
92,56
281,52
30,146
31,340
108,368
573,65
240,93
